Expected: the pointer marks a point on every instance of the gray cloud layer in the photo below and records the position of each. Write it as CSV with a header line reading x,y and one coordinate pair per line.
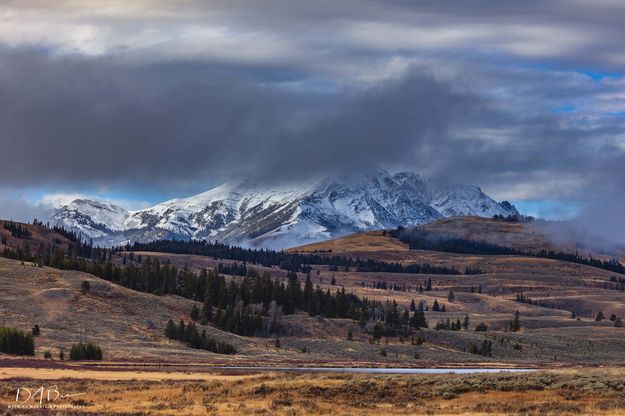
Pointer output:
x,y
153,95
93,120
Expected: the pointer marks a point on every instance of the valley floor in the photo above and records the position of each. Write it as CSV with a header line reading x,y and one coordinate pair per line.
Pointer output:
x,y
550,392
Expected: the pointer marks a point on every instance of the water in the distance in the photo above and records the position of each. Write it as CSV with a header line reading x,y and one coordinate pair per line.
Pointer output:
x,y
262,369
375,370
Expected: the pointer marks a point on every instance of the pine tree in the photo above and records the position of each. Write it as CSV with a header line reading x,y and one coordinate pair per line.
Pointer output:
x,y
418,320
307,297
195,312
515,324
481,327
450,296
350,335
180,330
207,308
435,306
465,323
170,330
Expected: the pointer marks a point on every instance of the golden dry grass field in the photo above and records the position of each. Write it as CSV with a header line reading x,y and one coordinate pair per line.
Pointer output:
x,y
561,392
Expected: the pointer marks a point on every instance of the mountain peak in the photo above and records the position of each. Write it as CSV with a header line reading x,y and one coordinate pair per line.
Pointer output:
x,y
248,212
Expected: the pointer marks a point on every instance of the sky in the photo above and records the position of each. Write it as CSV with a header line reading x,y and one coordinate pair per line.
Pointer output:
x,y
136,102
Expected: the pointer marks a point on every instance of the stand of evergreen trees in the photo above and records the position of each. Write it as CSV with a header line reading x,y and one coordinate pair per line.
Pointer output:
x,y
449,325
85,351
16,342
513,218
520,297
70,235
249,305
17,230
486,349
189,335
419,239
295,262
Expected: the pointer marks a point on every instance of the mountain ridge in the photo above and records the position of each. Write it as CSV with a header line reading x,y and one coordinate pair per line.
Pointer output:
x,y
248,212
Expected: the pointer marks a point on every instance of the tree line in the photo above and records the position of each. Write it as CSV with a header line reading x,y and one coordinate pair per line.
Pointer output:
x,y
190,335
15,341
17,230
296,262
249,305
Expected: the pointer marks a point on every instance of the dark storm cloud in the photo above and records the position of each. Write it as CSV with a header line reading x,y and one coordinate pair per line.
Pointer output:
x,y
102,120
94,120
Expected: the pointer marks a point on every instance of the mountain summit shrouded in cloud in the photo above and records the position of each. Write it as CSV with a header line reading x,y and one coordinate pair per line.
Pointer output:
x,y
155,99
249,212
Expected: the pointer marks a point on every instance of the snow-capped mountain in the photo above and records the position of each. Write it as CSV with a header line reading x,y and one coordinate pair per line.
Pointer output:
x,y
246,212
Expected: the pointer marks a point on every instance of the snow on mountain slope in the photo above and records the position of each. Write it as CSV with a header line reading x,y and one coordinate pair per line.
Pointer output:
x,y
250,213
94,219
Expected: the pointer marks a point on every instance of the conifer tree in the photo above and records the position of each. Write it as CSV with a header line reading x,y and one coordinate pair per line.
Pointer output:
x,y
207,308
515,324
481,327
195,312
170,330
180,330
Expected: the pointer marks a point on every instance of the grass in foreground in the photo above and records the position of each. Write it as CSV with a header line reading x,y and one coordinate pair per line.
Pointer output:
x,y
566,392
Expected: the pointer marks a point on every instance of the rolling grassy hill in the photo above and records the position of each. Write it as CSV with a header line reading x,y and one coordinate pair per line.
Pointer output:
x,y
129,325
